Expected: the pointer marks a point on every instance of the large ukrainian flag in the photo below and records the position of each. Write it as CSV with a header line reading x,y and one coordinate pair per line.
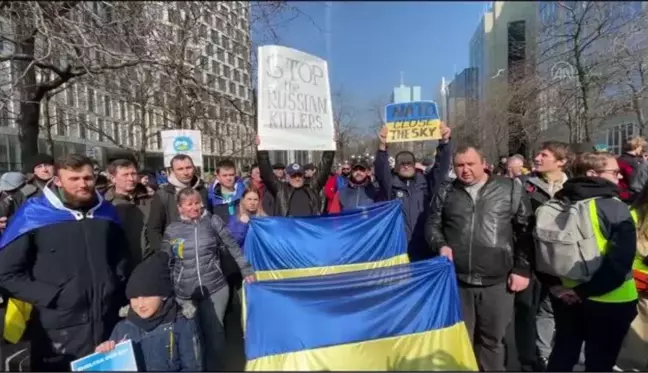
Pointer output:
x,y
404,317
369,237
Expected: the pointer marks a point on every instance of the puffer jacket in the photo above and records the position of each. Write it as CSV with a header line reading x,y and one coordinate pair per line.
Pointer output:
x,y
194,248
490,238
282,192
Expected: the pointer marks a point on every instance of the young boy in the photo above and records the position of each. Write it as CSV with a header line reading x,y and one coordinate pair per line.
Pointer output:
x,y
164,339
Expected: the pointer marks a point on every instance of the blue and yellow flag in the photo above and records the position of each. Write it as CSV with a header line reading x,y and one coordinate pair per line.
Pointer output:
x,y
404,317
368,237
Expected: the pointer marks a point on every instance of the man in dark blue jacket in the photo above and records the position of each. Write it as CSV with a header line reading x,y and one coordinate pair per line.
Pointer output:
x,y
359,191
412,188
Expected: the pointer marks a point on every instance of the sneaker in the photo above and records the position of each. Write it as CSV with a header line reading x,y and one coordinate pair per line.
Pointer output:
x,y
617,369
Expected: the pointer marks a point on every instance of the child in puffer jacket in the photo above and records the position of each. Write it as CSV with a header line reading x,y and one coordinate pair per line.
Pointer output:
x,y
165,337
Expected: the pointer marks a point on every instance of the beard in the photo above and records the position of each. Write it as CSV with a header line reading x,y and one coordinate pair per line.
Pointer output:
x,y
76,201
346,174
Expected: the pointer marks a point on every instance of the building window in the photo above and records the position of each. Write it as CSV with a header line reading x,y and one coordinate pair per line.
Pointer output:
x,y
226,43
230,58
226,71
617,136
237,76
101,129
215,68
242,91
122,110
222,84
214,37
107,111
220,54
232,88
4,116
82,126
91,100
71,100
209,49
60,122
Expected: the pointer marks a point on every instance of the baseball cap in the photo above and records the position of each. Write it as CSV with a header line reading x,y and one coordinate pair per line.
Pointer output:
x,y
309,167
361,163
294,169
405,157
278,166
11,181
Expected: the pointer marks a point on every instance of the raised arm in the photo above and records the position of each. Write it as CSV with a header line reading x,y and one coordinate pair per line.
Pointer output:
x,y
325,170
439,173
267,175
381,165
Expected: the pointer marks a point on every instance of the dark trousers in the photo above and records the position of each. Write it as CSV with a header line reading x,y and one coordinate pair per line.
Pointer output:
x,y
526,310
601,326
487,311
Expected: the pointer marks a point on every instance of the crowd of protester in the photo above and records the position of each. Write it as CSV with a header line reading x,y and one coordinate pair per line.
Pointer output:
x,y
105,255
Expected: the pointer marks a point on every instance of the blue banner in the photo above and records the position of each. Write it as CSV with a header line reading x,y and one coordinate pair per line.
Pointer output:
x,y
121,359
399,318
368,237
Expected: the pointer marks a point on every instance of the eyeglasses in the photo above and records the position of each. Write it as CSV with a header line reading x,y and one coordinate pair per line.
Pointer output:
x,y
612,172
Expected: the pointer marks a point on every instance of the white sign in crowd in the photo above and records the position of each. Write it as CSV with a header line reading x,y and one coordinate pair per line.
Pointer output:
x,y
187,142
294,97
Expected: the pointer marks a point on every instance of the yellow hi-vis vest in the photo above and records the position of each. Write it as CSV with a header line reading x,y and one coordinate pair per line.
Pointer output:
x,y
627,292
638,264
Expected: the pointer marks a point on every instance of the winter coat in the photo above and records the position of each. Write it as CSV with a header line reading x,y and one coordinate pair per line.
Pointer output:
x,y
415,194
489,238
221,207
170,347
195,249
164,210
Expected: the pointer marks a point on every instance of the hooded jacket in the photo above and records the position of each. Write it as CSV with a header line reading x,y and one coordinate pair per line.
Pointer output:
x,y
357,195
70,264
415,194
195,249
164,209
222,207
617,227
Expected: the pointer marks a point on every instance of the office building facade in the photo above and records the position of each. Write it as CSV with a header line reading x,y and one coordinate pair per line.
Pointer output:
x,y
88,116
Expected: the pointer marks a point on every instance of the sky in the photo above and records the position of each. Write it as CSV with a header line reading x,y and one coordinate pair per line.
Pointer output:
x,y
368,44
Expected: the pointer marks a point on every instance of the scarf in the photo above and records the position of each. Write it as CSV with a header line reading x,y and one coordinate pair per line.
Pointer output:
x,y
173,180
166,314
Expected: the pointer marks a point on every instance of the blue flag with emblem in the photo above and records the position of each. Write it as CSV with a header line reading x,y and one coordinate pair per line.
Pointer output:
x,y
47,209
404,318
368,237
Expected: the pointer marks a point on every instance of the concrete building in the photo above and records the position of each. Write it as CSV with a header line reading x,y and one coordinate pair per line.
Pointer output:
x,y
404,93
89,118
503,41
441,98
462,100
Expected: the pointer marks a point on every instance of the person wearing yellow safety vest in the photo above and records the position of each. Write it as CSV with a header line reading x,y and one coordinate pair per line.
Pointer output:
x,y
633,354
597,312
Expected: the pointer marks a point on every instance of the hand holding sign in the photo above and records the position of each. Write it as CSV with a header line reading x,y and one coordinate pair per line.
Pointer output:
x,y
445,133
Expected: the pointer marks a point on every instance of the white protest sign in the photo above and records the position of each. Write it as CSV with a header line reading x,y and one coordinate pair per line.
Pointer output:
x,y
294,100
187,142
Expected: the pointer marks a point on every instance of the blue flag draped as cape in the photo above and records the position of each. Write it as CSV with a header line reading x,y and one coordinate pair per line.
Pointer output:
x,y
47,209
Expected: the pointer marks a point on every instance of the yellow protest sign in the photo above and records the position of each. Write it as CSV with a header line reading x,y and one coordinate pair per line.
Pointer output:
x,y
412,121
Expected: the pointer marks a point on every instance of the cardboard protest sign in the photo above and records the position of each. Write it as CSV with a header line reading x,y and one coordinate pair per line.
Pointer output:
x,y
294,101
121,359
187,142
412,121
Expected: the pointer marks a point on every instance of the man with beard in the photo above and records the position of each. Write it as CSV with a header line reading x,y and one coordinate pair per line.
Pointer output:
x,y
360,191
294,198
133,202
413,189
164,208
63,252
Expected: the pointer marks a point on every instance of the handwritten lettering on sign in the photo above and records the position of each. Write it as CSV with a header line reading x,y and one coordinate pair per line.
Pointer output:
x,y
412,121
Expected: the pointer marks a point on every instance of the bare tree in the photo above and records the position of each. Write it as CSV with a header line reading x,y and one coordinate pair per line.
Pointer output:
x,y
52,43
573,49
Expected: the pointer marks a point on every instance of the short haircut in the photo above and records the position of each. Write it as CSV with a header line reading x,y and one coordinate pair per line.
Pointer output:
x,y
225,164
73,162
561,150
254,166
179,157
634,143
463,149
119,163
590,161
516,157
186,193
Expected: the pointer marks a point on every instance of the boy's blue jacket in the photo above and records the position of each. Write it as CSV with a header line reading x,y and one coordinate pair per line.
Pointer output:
x,y
221,207
171,347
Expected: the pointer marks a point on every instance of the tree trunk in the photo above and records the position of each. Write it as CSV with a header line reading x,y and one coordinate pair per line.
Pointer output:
x,y
30,97
48,127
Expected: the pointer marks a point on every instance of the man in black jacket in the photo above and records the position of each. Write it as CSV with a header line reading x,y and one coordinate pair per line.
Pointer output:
x,y
481,223
294,198
164,209
65,253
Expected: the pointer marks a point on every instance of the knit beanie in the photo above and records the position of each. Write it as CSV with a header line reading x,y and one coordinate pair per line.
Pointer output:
x,y
152,277
36,160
